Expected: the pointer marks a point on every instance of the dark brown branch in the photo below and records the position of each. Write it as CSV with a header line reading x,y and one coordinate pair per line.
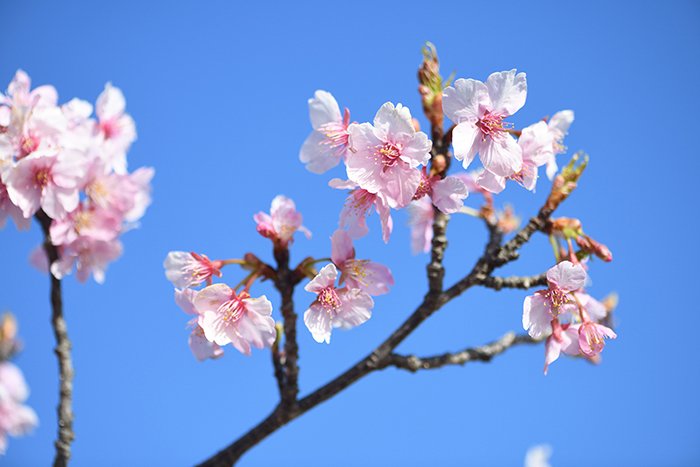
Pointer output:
x,y
284,283
277,364
436,271
514,282
483,354
63,353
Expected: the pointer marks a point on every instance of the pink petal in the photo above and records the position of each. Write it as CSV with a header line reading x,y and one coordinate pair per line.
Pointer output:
x,y
325,278
448,194
464,138
567,276
507,91
323,108
356,308
462,101
536,316
341,247
318,322
502,155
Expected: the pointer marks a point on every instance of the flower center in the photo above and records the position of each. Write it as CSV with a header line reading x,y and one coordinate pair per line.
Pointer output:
x,y
328,298
388,154
110,129
357,269
593,337
232,310
28,145
336,135
491,125
96,190
556,298
42,177
82,221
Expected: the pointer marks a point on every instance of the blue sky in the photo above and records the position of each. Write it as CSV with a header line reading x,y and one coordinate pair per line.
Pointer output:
x,y
218,91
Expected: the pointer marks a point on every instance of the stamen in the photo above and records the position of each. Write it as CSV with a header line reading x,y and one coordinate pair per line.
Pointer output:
x,y
329,300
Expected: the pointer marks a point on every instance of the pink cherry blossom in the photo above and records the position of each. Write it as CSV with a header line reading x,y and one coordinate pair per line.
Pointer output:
x,y
543,306
45,180
282,222
363,274
327,145
383,157
16,419
86,221
478,110
184,298
88,256
115,127
420,220
333,307
558,127
563,339
447,194
201,348
238,319
185,269
536,145
9,209
591,337
126,194
357,207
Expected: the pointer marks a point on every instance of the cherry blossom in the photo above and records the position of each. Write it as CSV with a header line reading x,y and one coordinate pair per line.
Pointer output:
x,y
185,269
327,145
536,145
9,209
420,220
116,128
545,305
591,337
357,207
45,180
558,127
88,256
447,194
86,221
200,347
282,222
334,307
478,109
230,318
384,156
563,339
363,274
16,419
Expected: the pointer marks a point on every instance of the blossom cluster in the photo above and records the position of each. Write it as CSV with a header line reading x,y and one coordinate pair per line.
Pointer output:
x,y
566,315
386,160
390,164
59,161
16,418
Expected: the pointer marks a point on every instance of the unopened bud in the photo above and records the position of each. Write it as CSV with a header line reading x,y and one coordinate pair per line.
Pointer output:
x,y
431,86
590,246
565,182
507,220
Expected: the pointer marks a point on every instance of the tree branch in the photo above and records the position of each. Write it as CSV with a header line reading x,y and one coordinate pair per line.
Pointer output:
x,y
284,282
63,353
514,282
484,354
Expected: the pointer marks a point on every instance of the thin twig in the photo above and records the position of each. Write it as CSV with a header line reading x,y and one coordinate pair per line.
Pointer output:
x,y
484,354
63,353
514,282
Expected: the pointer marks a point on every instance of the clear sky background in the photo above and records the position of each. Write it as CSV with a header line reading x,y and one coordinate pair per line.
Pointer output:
x,y
218,91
